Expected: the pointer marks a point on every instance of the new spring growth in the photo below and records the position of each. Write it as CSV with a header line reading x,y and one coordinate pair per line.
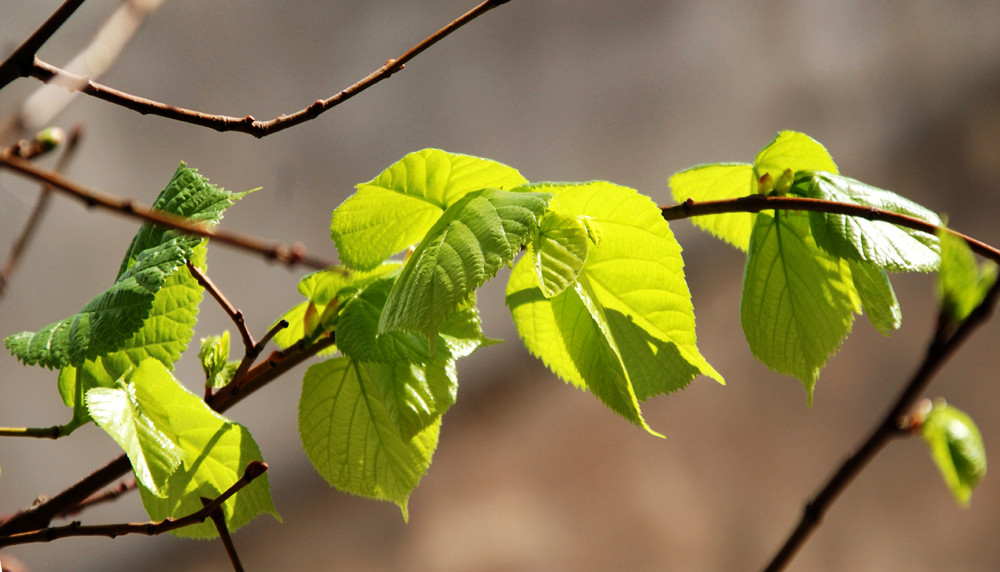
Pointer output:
x,y
767,186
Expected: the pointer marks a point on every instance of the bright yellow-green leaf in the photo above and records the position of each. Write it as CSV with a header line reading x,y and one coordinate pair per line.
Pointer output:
x,y
794,151
962,284
396,209
957,449
474,238
797,306
625,330
216,452
351,439
717,182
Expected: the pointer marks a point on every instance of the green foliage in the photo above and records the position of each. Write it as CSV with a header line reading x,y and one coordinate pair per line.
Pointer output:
x,y
808,273
349,434
396,209
112,318
599,296
129,414
962,284
624,328
214,356
894,248
215,452
956,448
474,238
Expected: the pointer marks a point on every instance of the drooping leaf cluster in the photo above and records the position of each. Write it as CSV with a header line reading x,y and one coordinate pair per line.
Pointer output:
x,y
808,273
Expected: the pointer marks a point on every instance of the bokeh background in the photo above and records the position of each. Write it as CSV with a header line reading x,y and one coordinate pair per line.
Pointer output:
x,y
532,474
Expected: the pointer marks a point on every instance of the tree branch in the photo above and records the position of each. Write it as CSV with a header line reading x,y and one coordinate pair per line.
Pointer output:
x,y
219,520
941,348
235,315
18,64
35,218
253,470
247,124
758,203
291,255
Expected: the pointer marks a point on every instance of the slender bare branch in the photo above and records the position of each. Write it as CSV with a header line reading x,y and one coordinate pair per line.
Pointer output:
x,y
18,64
247,124
235,315
41,205
291,255
758,203
219,520
253,470
941,348
101,497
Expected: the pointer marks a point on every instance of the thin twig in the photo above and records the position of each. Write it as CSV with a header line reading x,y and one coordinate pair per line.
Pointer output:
x,y
21,244
253,470
291,255
941,348
251,355
18,64
219,520
101,497
247,124
40,515
758,203
235,315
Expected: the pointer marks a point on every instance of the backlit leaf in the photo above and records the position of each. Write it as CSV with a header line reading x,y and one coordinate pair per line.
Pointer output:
x,y
796,306
396,209
351,439
473,239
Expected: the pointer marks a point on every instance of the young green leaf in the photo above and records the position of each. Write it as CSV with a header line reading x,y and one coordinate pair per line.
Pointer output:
x,y
327,290
351,439
474,238
877,297
417,386
113,317
216,451
716,182
164,335
956,447
886,245
559,251
358,336
625,330
797,304
117,410
962,284
396,209
789,151
214,356
105,323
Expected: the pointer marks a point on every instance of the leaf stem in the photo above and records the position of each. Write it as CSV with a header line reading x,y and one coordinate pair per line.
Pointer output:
x,y
757,203
53,432
940,349
247,124
290,255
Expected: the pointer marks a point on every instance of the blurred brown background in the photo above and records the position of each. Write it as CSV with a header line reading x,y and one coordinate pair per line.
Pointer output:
x,y
532,474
